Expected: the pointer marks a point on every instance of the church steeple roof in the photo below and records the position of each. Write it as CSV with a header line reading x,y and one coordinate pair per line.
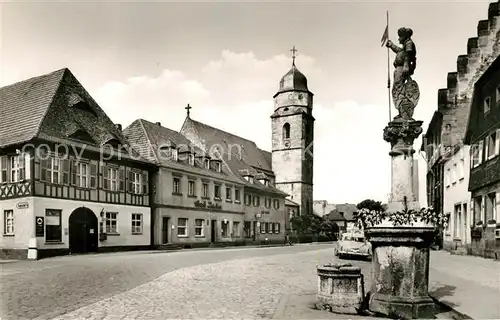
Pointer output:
x,y
293,80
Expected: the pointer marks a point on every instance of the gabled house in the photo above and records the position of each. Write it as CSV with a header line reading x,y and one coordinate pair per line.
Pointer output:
x,y
483,134
264,203
68,180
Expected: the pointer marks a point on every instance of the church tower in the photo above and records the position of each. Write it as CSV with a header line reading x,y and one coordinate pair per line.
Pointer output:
x,y
292,138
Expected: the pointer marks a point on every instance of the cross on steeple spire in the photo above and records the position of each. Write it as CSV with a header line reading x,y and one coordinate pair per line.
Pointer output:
x,y
293,50
188,107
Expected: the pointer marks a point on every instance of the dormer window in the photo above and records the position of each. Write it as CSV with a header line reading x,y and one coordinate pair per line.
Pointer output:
x,y
487,103
218,166
191,159
174,155
249,178
207,163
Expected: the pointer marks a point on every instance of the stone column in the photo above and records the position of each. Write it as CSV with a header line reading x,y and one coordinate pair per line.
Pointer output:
x,y
400,265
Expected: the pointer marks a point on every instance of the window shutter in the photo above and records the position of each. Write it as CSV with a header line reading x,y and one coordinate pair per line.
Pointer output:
x,y
27,166
3,169
130,180
121,177
145,182
22,168
481,146
65,171
487,147
497,142
497,207
104,177
93,174
74,170
483,213
44,163
471,156
279,227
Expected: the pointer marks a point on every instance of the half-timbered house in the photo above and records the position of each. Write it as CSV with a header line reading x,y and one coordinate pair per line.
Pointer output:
x,y
69,183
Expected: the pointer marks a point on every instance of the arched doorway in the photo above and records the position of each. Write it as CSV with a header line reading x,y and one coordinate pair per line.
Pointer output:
x,y
83,232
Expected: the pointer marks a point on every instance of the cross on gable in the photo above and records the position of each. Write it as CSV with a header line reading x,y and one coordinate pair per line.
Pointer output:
x,y
188,107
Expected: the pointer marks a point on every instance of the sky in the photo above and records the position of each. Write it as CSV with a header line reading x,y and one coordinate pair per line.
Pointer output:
x,y
149,60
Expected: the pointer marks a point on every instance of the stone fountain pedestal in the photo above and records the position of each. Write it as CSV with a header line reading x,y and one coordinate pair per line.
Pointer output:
x,y
400,265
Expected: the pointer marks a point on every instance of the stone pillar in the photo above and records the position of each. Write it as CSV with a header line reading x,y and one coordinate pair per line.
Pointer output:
x,y
400,265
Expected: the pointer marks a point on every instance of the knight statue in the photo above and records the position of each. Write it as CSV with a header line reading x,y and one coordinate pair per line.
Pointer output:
x,y
405,91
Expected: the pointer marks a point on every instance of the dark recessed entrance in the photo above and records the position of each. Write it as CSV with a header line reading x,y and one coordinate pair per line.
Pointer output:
x,y
83,232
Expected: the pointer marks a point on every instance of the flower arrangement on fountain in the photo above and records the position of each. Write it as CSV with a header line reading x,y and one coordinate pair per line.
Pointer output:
x,y
370,218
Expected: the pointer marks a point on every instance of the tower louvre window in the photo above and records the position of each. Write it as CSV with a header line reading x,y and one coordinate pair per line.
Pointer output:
x,y
286,131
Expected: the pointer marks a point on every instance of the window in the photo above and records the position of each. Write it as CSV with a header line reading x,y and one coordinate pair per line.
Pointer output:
x,y
286,131
177,186
490,207
492,145
218,166
229,191
476,154
477,209
236,229
136,223
447,177
207,163
248,199
448,225
137,183
225,228
182,230
191,187
8,222
205,190
3,169
237,195
277,204
454,174
217,191
262,227
17,168
457,221
81,174
277,228
53,228
198,227
487,103
111,222
191,159
268,202
266,227
256,201
51,170
174,155
461,169
110,179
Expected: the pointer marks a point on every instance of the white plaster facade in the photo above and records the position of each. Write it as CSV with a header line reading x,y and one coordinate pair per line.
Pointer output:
x,y
27,209
456,199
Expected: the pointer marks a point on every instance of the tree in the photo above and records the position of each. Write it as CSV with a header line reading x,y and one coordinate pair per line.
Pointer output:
x,y
371,205
310,224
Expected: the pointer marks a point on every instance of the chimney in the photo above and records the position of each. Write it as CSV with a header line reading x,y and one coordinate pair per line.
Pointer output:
x,y
119,127
158,124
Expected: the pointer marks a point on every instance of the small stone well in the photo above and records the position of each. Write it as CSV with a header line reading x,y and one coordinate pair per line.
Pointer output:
x,y
340,288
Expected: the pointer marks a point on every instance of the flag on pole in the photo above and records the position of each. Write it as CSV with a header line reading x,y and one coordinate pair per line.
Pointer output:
x,y
385,35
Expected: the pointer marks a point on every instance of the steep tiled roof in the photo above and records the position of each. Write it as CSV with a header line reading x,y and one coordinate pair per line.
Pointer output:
x,y
289,202
23,106
231,143
334,215
146,137
348,209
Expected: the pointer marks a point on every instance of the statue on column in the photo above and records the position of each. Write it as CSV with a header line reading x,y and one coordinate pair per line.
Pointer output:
x,y
405,91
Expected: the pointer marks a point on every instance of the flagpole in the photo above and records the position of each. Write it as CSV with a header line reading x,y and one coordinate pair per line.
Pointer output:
x,y
388,69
